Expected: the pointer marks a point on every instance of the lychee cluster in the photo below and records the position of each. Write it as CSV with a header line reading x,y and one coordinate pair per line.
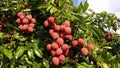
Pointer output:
x,y
26,23
59,49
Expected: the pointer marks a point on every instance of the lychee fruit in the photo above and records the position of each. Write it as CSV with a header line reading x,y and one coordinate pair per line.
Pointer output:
x,y
25,27
48,47
30,29
22,17
31,25
25,21
84,51
33,20
61,58
68,30
69,37
29,17
55,35
57,28
53,52
55,61
46,23
18,21
90,47
21,27
65,47
66,23
51,31
51,19
81,42
54,46
19,14
62,27
59,51
60,41
74,43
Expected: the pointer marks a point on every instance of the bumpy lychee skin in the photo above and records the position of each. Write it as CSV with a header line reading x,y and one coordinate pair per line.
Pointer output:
x,y
31,25
84,51
18,21
54,46
46,23
81,42
90,47
51,19
48,47
25,27
62,35
55,61
19,14
55,36
22,17
60,41
25,21
51,31
68,30
65,47
57,28
69,37
67,23
53,52
61,58
75,43
33,20
29,17
59,51
30,29
21,27
62,28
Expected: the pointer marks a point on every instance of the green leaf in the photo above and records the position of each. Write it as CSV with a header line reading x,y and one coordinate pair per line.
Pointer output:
x,y
19,52
80,7
36,65
8,53
38,52
46,63
27,60
31,54
85,6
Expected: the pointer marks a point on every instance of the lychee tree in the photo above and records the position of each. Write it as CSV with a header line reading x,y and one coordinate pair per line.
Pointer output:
x,y
55,33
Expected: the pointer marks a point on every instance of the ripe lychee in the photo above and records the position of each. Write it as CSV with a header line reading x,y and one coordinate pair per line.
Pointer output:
x,y
59,51
65,47
90,47
51,19
21,27
66,23
46,23
31,25
55,61
25,21
62,27
61,58
29,17
18,21
69,37
74,43
84,51
25,27
53,52
60,41
55,35
48,47
68,30
20,14
51,31
30,29
33,20
54,46
57,28
81,42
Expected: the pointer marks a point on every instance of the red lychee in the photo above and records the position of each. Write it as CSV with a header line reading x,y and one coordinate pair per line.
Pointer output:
x,y
54,46
31,25
61,58
46,23
84,51
51,31
66,23
25,21
55,61
57,28
55,35
29,17
81,42
62,27
69,37
74,43
19,14
51,19
18,21
48,47
33,20
25,27
68,30
65,47
53,52
60,41
90,47
30,29
59,51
